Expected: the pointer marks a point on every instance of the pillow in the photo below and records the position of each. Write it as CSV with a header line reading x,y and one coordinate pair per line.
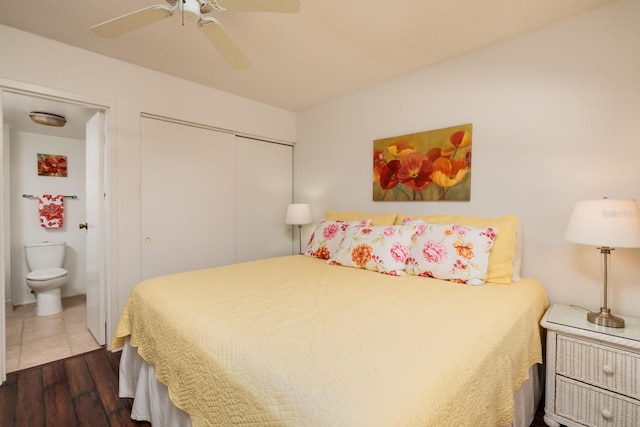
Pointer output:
x,y
378,219
451,252
502,256
519,249
377,248
325,239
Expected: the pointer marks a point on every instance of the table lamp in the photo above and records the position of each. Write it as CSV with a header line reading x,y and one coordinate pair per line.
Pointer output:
x,y
298,214
606,224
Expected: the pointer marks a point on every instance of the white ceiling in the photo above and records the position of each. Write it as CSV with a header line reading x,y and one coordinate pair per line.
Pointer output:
x,y
330,48
16,109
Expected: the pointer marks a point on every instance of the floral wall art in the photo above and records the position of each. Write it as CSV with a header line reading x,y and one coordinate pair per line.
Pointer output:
x,y
52,165
426,166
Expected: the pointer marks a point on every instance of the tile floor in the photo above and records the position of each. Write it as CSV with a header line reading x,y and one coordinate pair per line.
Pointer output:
x,y
33,340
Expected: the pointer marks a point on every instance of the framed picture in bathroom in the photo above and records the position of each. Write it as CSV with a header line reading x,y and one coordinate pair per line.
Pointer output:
x,y
52,165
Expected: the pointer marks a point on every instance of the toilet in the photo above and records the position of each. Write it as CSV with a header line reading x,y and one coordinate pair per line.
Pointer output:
x,y
46,277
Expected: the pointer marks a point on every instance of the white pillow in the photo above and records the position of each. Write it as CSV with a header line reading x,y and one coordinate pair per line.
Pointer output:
x,y
377,248
453,252
325,239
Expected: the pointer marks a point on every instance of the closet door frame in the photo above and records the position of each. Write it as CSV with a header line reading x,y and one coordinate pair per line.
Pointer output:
x,y
224,196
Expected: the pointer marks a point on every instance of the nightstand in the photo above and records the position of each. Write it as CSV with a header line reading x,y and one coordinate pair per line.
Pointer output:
x,y
592,372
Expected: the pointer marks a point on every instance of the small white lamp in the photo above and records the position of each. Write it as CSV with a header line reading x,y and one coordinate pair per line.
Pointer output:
x,y
298,214
606,224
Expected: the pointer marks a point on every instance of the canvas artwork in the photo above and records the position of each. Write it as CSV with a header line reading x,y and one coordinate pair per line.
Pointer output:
x,y
426,166
52,165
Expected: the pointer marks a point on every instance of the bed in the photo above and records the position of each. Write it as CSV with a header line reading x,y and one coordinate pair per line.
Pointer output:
x,y
300,341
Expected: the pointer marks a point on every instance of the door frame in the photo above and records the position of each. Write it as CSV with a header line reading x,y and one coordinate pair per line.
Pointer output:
x,y
109,243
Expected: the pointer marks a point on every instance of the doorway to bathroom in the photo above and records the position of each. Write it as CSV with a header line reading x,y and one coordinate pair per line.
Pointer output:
x,y
81,175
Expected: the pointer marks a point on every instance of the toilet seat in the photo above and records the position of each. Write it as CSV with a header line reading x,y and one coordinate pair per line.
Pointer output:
x,y
47,274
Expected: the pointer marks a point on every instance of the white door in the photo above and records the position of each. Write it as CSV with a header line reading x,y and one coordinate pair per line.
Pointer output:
x,y
263,191
187,194
4,242
95,277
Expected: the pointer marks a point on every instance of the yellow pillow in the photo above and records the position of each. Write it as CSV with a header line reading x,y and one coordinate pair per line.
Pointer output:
x,y
503,251
378,219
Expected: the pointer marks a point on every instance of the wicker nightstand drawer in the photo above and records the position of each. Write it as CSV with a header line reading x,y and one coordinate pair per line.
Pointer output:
x,y
603,366
592,372
593,406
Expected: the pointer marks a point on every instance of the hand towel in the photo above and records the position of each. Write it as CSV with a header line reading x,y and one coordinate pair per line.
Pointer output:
x,y
51,208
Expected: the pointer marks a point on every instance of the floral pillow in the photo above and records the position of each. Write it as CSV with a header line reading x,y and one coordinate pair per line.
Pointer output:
x,y
378,248
503,266
458,253
325,239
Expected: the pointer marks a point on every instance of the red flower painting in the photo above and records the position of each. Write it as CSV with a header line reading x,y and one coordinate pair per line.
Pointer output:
x,y
52,165
431,165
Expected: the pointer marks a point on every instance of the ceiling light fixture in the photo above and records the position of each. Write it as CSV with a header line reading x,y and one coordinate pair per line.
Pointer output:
x,y
47,119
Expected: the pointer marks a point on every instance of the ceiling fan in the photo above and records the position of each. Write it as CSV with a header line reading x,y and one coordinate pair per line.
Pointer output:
x,y
210,26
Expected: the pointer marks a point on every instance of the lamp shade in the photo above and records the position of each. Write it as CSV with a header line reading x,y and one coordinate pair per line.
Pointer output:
x,y
298,214
605,222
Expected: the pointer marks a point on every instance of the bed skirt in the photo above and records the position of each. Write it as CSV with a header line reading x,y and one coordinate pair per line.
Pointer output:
x,y
151,400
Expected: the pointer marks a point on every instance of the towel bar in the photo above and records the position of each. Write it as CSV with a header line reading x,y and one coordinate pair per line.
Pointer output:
x,y
31,196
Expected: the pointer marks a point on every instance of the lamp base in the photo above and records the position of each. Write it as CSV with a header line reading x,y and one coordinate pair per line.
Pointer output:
x,y
605,318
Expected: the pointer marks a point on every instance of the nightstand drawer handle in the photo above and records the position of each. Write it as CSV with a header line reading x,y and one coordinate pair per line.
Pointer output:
x,y
607,369
606,414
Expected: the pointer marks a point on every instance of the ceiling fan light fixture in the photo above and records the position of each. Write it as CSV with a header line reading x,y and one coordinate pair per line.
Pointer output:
x,y
192,7
211,28
47,119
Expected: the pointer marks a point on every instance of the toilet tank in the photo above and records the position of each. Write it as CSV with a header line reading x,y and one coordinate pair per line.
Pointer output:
x,y
46,254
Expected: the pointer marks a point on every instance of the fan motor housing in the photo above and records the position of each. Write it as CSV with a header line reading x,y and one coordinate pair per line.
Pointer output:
x,y
205,5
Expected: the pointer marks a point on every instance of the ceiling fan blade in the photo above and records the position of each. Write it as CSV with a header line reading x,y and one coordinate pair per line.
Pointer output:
x,y
132,21
282,6
219,37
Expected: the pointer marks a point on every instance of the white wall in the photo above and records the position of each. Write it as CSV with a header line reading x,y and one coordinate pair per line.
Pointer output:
x,y
129,90
555,115
25,224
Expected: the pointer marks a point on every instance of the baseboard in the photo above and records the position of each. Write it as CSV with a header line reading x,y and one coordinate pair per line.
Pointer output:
x,y
8,306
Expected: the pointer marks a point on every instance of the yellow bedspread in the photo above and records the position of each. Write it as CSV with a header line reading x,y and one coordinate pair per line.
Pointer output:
x,y
293,341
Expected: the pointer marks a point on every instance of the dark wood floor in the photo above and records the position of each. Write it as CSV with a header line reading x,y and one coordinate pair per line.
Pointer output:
x,y
538,421
79,391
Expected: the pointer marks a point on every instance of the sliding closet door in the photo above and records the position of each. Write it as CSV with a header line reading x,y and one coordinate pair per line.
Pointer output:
x,y
187,197
264,186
